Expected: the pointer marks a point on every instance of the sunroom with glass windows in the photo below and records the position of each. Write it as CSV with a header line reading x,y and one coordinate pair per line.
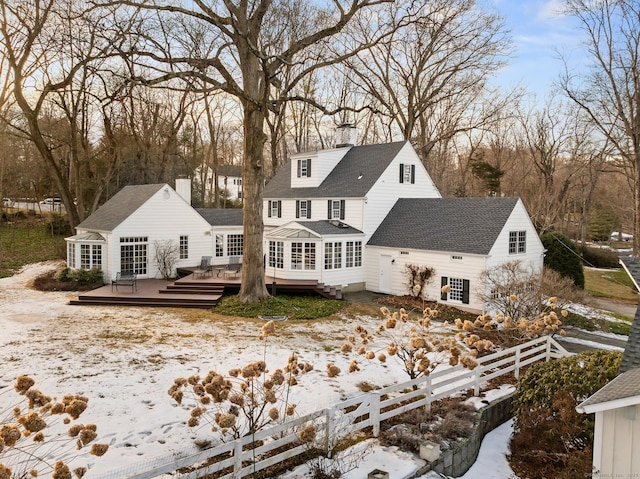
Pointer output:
x,y
86,251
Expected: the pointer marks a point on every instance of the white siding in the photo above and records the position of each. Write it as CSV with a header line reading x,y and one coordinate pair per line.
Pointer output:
x,y
388,189
620,440
165,216
518,221
470,268
322,163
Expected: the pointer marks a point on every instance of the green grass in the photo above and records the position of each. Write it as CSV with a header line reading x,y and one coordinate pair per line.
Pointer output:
x,y
596,324
610,284
27,241
294,307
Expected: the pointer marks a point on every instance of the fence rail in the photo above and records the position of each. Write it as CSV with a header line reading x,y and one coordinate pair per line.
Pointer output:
x,y
236,460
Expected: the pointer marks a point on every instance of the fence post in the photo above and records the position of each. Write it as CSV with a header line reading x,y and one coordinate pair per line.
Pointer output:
x,y
329,414
374,413
548,358
237,458
516,373
476,386
427,394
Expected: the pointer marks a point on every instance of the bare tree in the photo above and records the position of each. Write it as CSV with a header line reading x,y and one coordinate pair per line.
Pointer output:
x,y
429,77
253,43
609,91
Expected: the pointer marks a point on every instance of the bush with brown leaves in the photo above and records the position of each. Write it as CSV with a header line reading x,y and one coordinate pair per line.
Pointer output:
x,y
37,436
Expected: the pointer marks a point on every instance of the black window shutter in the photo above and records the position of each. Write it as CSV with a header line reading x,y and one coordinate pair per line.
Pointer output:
x,y
299,168
401,173
309,209
341,209
329,209
309,168
443,282
269,209
413,174
465,291
297,208
279,209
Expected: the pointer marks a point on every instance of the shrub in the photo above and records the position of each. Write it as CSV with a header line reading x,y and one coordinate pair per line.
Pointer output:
x,y
599,258
550,437
417,278
562,256
39,435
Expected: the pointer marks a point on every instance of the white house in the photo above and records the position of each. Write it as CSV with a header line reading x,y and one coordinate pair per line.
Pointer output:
x,y
616,405
351,217
229,179
124,233
458,237
617,426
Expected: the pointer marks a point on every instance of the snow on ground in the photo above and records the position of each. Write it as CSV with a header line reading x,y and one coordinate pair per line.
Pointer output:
x,y
125,359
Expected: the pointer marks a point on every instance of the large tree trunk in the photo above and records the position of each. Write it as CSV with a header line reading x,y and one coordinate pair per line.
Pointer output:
x,y
253,287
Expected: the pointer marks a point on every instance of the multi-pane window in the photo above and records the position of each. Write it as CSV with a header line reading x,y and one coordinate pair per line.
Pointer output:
x,y
184,247
133,254
332,255
96,256
235,245
276,254
296,255
219,245
456,285
459,292
303,255
304,168
335,209
90,256
407,173
274,209
517,242
353,254
303,209
310,256
71,255
85,256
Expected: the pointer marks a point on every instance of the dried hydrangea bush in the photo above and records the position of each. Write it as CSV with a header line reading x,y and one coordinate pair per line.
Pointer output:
x,y
38,434
243,401
419,350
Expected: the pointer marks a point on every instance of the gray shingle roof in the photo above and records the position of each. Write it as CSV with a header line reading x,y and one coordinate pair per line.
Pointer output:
x,y
367,162
626,385
326,227
230,170
631,356
222,216
461,225
120,207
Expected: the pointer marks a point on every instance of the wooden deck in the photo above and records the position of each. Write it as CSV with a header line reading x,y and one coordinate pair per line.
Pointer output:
x,y
194,291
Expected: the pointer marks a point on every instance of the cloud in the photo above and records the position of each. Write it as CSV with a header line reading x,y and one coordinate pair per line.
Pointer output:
x,y
550,10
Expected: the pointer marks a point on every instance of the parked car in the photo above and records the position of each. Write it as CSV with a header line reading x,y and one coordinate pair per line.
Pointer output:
x,y
51,201
7,203
615,236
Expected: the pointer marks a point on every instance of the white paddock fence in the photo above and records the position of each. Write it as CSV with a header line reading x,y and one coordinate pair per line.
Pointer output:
x,y
234,460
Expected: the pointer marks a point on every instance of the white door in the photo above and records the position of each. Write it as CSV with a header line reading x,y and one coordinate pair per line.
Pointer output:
x,y
385,274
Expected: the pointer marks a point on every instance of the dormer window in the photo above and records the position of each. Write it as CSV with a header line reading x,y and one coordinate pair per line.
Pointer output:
x,y
304,168
407,173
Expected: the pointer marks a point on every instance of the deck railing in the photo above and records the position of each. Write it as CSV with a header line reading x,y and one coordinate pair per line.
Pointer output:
x,y
276,444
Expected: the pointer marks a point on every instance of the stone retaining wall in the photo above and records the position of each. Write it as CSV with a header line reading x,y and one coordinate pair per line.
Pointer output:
x,y
457,460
